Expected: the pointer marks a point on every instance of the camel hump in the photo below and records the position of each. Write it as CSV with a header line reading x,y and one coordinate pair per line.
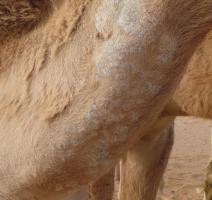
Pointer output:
x,y
21,16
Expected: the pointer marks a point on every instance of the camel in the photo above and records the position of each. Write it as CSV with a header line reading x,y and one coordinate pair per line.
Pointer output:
x,y
192,98
83,81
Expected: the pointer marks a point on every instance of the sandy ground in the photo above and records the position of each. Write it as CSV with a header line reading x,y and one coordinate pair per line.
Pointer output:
x,y
184,177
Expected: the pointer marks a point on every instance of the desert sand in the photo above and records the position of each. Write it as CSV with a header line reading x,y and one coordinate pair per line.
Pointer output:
x,y
184,177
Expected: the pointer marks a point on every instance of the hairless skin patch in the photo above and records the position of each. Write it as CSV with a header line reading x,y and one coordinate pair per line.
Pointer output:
x,y
127,20
135,19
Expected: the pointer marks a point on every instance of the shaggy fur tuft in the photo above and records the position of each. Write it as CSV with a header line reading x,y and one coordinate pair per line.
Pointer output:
x,y
18,16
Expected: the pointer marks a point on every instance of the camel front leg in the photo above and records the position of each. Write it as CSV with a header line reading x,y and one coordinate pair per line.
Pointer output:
x,y
144,165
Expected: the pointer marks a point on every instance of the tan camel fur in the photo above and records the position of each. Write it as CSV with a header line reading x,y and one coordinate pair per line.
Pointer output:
x,y
85,85
192,98
103,188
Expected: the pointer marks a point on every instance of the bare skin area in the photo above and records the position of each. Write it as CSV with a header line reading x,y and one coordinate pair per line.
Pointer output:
x,y
72,105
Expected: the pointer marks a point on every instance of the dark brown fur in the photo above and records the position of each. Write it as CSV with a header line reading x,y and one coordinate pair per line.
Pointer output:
x,y
18,16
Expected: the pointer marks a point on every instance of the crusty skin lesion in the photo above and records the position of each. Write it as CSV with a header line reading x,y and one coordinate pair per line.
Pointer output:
x,y
21,16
